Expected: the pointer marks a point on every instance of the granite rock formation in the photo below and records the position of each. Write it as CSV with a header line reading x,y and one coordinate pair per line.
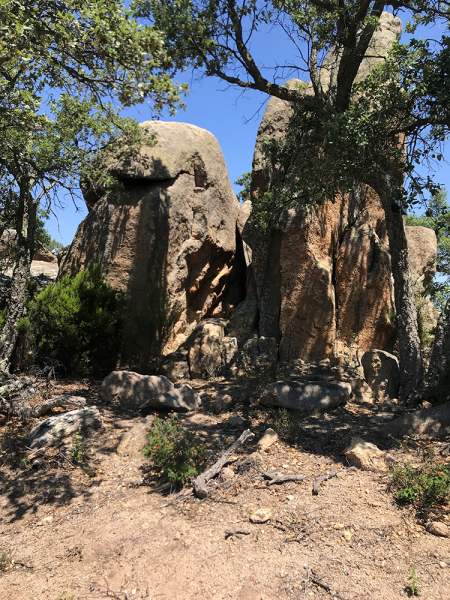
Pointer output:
x,y
171,228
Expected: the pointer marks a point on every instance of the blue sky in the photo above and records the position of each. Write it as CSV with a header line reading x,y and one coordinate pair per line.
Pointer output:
x,y
231,114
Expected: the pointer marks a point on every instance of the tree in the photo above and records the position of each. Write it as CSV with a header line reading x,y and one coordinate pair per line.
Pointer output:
x,y
437,217
66,67
342,131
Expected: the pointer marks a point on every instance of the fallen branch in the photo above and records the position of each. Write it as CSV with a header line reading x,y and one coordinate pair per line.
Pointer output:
x,y
277,478
236,531
58,401
318,482
202,480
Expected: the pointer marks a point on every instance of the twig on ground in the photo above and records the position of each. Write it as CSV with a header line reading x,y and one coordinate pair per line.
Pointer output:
x,y
327,588
277,478
318,482
202,480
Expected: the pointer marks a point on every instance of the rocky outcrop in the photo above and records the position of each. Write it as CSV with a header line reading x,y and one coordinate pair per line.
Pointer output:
x,y
172,227
322,276
422,251
434,422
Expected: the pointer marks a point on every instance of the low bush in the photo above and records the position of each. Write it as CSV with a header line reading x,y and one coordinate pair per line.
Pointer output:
x,y
77,322
176,452
421,486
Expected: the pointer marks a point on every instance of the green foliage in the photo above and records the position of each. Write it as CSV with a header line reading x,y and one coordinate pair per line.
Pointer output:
x,y
244,181
413,584
79,447
78,323
177,453
421,486
148,328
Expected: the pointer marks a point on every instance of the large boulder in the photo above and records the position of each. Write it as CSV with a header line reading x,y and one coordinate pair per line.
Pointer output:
x,y
322,276
434,422
382,373
306,397
172,228
53,430
133,390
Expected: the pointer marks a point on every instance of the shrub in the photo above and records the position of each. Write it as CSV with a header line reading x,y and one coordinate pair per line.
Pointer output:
x,y
286,423
177,453
78,323
421,486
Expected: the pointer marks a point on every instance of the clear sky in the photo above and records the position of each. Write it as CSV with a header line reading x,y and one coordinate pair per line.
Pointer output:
x,y
231,114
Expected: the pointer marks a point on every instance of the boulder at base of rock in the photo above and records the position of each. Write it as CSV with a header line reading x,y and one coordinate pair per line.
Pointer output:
x,y
244,319
429,421
381,373
361,391
132,389
175,365
365,456
51,431
268,439
183,399
308,397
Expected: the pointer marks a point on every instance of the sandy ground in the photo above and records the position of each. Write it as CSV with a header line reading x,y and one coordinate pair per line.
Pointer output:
x,y
104,530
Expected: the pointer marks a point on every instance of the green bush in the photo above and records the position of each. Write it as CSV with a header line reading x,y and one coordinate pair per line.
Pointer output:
x,y
177,453
78,323
421,486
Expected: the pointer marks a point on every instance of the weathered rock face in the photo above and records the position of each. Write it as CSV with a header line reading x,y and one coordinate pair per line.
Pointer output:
x,y
51,431
173,227
422,251
322,277
382,373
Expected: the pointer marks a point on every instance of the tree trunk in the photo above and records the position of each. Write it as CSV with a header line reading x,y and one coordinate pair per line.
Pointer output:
x,y
25,226
388,186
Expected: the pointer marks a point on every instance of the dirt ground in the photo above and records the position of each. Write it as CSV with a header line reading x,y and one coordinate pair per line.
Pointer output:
x,y
108,528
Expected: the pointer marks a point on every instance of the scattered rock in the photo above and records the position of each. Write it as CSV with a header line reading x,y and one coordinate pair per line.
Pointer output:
x,y
223,403
226,474
133,390
51,431
270,437
236,421
439,529
382,373
365,456
308,397
262,515
434,422
362,394
183,399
